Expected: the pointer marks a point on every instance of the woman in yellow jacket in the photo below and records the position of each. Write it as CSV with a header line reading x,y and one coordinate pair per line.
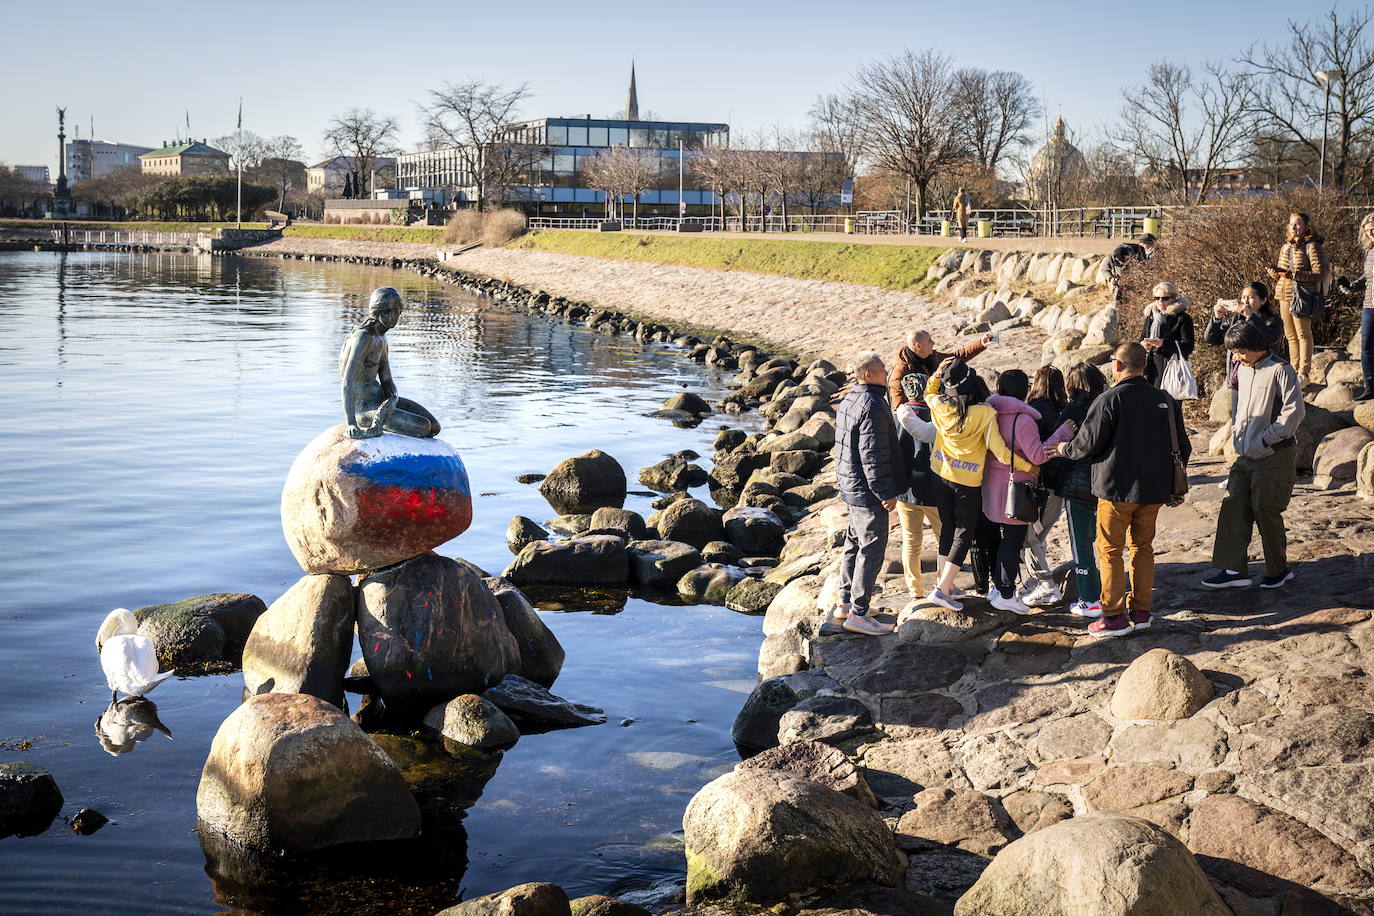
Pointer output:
x,y
965,431
1301,262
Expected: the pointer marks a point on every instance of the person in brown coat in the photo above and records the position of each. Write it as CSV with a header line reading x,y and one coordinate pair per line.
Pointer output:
x,y
1301,262
920,356
963,203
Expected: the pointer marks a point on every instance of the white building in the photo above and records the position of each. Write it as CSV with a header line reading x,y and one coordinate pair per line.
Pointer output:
x,y
328,177
88,159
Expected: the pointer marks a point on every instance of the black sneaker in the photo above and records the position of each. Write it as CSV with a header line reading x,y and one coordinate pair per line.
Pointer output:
x,y
1277,581
1365,395
1223,579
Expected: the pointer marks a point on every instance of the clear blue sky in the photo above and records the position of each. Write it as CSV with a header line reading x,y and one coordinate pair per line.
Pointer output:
x,y
136,68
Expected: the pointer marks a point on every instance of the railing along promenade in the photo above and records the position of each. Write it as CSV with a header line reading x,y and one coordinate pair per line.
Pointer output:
x,y
95,238
1078,222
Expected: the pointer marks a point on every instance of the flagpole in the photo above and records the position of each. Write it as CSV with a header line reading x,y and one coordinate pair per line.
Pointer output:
x,y
238,213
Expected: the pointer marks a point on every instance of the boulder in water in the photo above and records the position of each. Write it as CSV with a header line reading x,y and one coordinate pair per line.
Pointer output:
x,y
627,520
661,564
765,837
29,799
689,402
692,522
474,722
522,531
710,582
351,505
754,530
303,641
585,483
202,634
751,596
541,654
527,701
525,900
430,629
290,772
596,559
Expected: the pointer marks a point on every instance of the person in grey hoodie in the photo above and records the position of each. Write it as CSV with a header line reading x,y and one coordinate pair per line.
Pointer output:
x,y
870,474
1266,410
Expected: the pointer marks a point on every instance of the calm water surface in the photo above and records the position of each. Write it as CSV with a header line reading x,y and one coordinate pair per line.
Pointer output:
x,y
154,404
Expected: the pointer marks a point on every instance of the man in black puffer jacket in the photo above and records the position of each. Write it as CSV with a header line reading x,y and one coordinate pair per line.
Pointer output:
x,y
870,474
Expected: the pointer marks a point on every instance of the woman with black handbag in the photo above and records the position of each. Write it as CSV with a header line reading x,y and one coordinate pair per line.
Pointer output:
x,y
1300,276
1083,384
1012,496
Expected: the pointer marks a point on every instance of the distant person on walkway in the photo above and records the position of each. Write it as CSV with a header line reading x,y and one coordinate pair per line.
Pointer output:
x,y
1266,411
1301,267
919,357
963,204
1253,307
966,433
1047,398
1123,256
1072,482
1127,437
1168,330
869,472
915,507
999,538
1363,285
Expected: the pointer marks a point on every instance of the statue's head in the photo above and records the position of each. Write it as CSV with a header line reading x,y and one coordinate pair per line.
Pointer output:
x,y
386,305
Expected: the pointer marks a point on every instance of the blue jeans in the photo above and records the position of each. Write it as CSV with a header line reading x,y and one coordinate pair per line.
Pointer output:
x,y
1367,348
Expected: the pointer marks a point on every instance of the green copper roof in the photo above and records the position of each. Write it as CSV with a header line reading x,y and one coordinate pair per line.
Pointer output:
x,y
184,148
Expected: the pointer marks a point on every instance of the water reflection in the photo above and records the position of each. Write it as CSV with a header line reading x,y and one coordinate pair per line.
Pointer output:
x,y
127,723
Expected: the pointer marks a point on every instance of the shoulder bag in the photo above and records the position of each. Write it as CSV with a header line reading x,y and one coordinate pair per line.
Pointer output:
x,y
1180,482
1307,303
1025,499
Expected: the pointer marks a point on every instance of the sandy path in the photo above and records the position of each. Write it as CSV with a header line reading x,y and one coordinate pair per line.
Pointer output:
x,y
811,318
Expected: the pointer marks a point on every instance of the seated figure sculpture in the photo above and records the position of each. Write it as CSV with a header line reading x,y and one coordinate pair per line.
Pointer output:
x,y
371,405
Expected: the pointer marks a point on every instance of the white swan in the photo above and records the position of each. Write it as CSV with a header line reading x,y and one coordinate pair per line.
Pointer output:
x,y
129,660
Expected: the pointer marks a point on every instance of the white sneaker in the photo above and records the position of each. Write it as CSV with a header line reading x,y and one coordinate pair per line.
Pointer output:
x,y
945,601
862,623
1013,604
1044,596
1086,608
839,612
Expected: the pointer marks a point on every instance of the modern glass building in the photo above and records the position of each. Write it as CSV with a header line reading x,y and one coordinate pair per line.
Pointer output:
x,y
550,151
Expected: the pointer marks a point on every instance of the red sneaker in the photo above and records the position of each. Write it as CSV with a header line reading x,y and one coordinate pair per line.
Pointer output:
x,y
1115,625
1140,620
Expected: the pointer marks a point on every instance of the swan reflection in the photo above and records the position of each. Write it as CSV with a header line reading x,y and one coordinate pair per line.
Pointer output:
x,y
128,722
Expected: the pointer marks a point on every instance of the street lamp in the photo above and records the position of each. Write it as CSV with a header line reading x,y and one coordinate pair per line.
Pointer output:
x,y
1327,77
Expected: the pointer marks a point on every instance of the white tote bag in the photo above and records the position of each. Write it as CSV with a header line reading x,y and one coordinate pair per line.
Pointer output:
x,y
1178,379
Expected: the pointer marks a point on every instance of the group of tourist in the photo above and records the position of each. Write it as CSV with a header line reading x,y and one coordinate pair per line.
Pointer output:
x,y
992,472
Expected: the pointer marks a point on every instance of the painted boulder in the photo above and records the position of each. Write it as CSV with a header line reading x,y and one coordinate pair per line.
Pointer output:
x,y
352,505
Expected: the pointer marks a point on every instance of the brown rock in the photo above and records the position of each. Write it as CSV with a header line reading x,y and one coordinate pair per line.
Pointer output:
x,y
341,513
933,624
919,716
1123,788
585,483
1015,703
1031,811
291,772
819,762
1070,772
1191,744
301,644
1028,649
1321,736
1100,864
1076,736
524,900
903,768
1254,848
599,905
1160,685
1338,456
963,818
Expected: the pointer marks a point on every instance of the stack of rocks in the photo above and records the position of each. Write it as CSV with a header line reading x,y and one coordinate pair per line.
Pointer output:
x,y
289,770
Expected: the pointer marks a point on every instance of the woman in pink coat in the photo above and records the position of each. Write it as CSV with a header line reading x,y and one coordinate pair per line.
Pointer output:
x,y
999,539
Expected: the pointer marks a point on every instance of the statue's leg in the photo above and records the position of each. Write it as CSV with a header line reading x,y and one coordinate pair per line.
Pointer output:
x,y
411,407
406,420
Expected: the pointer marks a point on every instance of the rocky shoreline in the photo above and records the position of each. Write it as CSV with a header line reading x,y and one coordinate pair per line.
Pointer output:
x,y
994,746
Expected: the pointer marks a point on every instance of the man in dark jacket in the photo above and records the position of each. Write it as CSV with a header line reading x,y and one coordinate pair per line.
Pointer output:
x,y
870,474
1128,435
919,357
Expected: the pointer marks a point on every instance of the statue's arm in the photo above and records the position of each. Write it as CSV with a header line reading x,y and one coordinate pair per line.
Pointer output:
x,y
352,375
384,373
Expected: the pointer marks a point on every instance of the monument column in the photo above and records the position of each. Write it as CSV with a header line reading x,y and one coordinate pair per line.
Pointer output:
x,y
61,196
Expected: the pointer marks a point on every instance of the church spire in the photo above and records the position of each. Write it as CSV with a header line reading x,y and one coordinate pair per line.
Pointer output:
x,y
632,104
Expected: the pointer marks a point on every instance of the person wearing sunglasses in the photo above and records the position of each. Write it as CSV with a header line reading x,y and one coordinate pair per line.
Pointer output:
x,y
1168,330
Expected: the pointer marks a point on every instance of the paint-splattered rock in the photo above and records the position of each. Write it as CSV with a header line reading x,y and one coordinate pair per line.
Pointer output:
x,y
350,505
430,630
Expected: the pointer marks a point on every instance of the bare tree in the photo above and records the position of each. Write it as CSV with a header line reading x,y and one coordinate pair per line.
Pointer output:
x,y
910,118
1185,129
361,137
281,166
1291,98
837,127
996,111
470,117
602,173
244,147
